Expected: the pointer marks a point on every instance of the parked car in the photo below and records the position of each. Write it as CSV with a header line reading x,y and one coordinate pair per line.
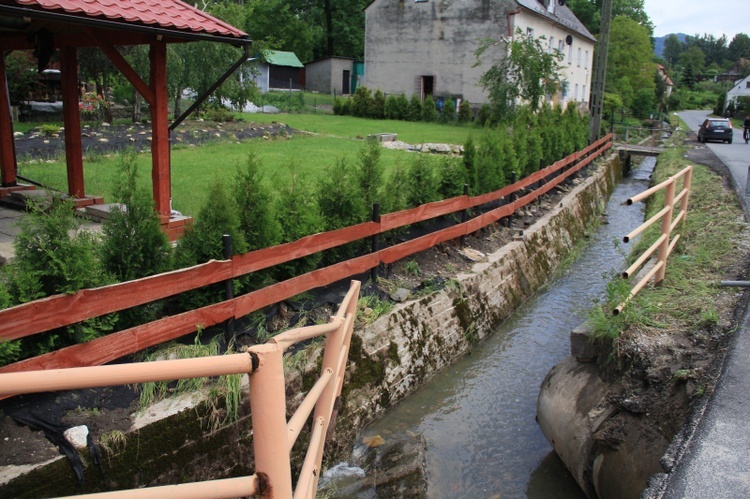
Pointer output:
x,y
716,129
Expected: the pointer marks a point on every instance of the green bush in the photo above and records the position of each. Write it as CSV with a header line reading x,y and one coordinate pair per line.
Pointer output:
x,y
422,182
489,167
52,257
484,116
429,110
369,174
134,245
396,107
377,106
299,215
203,241
470,172
414,112
257,220
448,114
452,177
465,114
362,102
341,205
394,194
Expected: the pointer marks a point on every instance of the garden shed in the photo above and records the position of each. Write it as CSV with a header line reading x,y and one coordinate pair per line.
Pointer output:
x,y
280,70
332,75
46,26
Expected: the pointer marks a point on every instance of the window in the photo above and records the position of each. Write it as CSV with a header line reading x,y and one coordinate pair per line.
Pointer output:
x,y
747,85
579,57
575,94
584,95
586,60
570,54
551,44
561,46
530,32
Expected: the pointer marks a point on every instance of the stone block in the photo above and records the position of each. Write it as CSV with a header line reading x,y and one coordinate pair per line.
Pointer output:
x,y
581,346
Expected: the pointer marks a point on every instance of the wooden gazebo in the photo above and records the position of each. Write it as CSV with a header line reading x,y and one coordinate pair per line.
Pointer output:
x,y
66,25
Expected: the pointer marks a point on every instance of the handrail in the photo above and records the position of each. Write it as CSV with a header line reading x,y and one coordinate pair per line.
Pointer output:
x,y
265,365
664,243
61,310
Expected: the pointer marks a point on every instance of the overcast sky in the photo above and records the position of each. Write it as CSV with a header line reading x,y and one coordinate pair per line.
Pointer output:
x,y
714,17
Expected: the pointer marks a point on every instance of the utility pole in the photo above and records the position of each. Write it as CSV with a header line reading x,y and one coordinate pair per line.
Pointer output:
x,y
600,74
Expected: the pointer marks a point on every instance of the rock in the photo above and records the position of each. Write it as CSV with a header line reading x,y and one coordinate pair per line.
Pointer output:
x,y
400,295
393,469
472,255
18,134
105,124
373,442
104,140
581,346
77,435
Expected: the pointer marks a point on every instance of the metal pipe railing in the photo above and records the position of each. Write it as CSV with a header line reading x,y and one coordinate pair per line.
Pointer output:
x,y
273,436
214,489
665,243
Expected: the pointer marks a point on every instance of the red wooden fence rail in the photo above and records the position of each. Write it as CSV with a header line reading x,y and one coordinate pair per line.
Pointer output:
x,y
62,310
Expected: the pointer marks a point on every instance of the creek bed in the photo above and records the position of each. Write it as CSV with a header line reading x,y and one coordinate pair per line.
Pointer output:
x,y
477,417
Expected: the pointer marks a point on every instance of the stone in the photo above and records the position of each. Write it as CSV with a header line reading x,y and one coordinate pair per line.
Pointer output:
x,y
472,255
77,435
581,346
400,295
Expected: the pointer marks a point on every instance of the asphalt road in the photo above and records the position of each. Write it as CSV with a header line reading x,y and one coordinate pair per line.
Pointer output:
x,y
736,156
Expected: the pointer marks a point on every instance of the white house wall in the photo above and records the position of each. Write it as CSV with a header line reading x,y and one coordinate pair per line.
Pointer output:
x,y
407,40
577,62
740,89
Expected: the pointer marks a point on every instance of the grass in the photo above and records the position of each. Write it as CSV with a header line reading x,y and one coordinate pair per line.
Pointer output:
x,y
193,168
712,240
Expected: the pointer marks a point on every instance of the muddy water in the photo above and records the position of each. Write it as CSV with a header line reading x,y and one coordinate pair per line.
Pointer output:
x,y
478,416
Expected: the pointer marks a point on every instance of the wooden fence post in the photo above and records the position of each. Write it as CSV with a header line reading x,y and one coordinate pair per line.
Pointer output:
x,y
226,239
464,215
375,242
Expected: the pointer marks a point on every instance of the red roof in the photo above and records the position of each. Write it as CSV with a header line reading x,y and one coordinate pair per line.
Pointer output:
x,y
168,14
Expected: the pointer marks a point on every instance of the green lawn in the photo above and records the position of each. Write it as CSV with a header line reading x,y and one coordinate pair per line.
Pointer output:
x,y
193,168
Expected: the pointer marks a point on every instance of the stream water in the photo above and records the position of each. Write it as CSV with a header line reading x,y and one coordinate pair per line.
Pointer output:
x,y
478,416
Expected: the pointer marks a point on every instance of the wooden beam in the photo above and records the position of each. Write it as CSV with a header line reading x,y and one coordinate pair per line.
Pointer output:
x,y
72,118
7,148
160,172
127,71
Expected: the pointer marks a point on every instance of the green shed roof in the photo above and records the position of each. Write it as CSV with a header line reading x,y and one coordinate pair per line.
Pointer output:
x,y
279,58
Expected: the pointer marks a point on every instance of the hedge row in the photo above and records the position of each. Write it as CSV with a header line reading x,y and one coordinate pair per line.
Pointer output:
x,y
49,260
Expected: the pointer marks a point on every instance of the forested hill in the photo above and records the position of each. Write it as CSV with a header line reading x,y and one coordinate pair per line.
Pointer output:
x,y
659,42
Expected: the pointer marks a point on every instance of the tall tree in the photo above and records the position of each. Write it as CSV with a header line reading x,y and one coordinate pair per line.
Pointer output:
x,y
631,65
739,47
673,47
589,12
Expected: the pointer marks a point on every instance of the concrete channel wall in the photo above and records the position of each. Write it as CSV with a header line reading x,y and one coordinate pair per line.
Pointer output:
x,y
389,359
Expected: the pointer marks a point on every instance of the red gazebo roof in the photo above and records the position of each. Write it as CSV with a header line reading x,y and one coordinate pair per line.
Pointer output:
x,y
165,14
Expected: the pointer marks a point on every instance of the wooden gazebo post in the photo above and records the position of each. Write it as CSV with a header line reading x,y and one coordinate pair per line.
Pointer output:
x,y
160,174
7,150
72,120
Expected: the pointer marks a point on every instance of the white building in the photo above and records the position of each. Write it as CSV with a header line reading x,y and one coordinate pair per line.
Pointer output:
x,y
428,46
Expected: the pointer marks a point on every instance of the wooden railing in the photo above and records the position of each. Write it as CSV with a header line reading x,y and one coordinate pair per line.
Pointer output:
x,y
273,435
665,243
61,310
